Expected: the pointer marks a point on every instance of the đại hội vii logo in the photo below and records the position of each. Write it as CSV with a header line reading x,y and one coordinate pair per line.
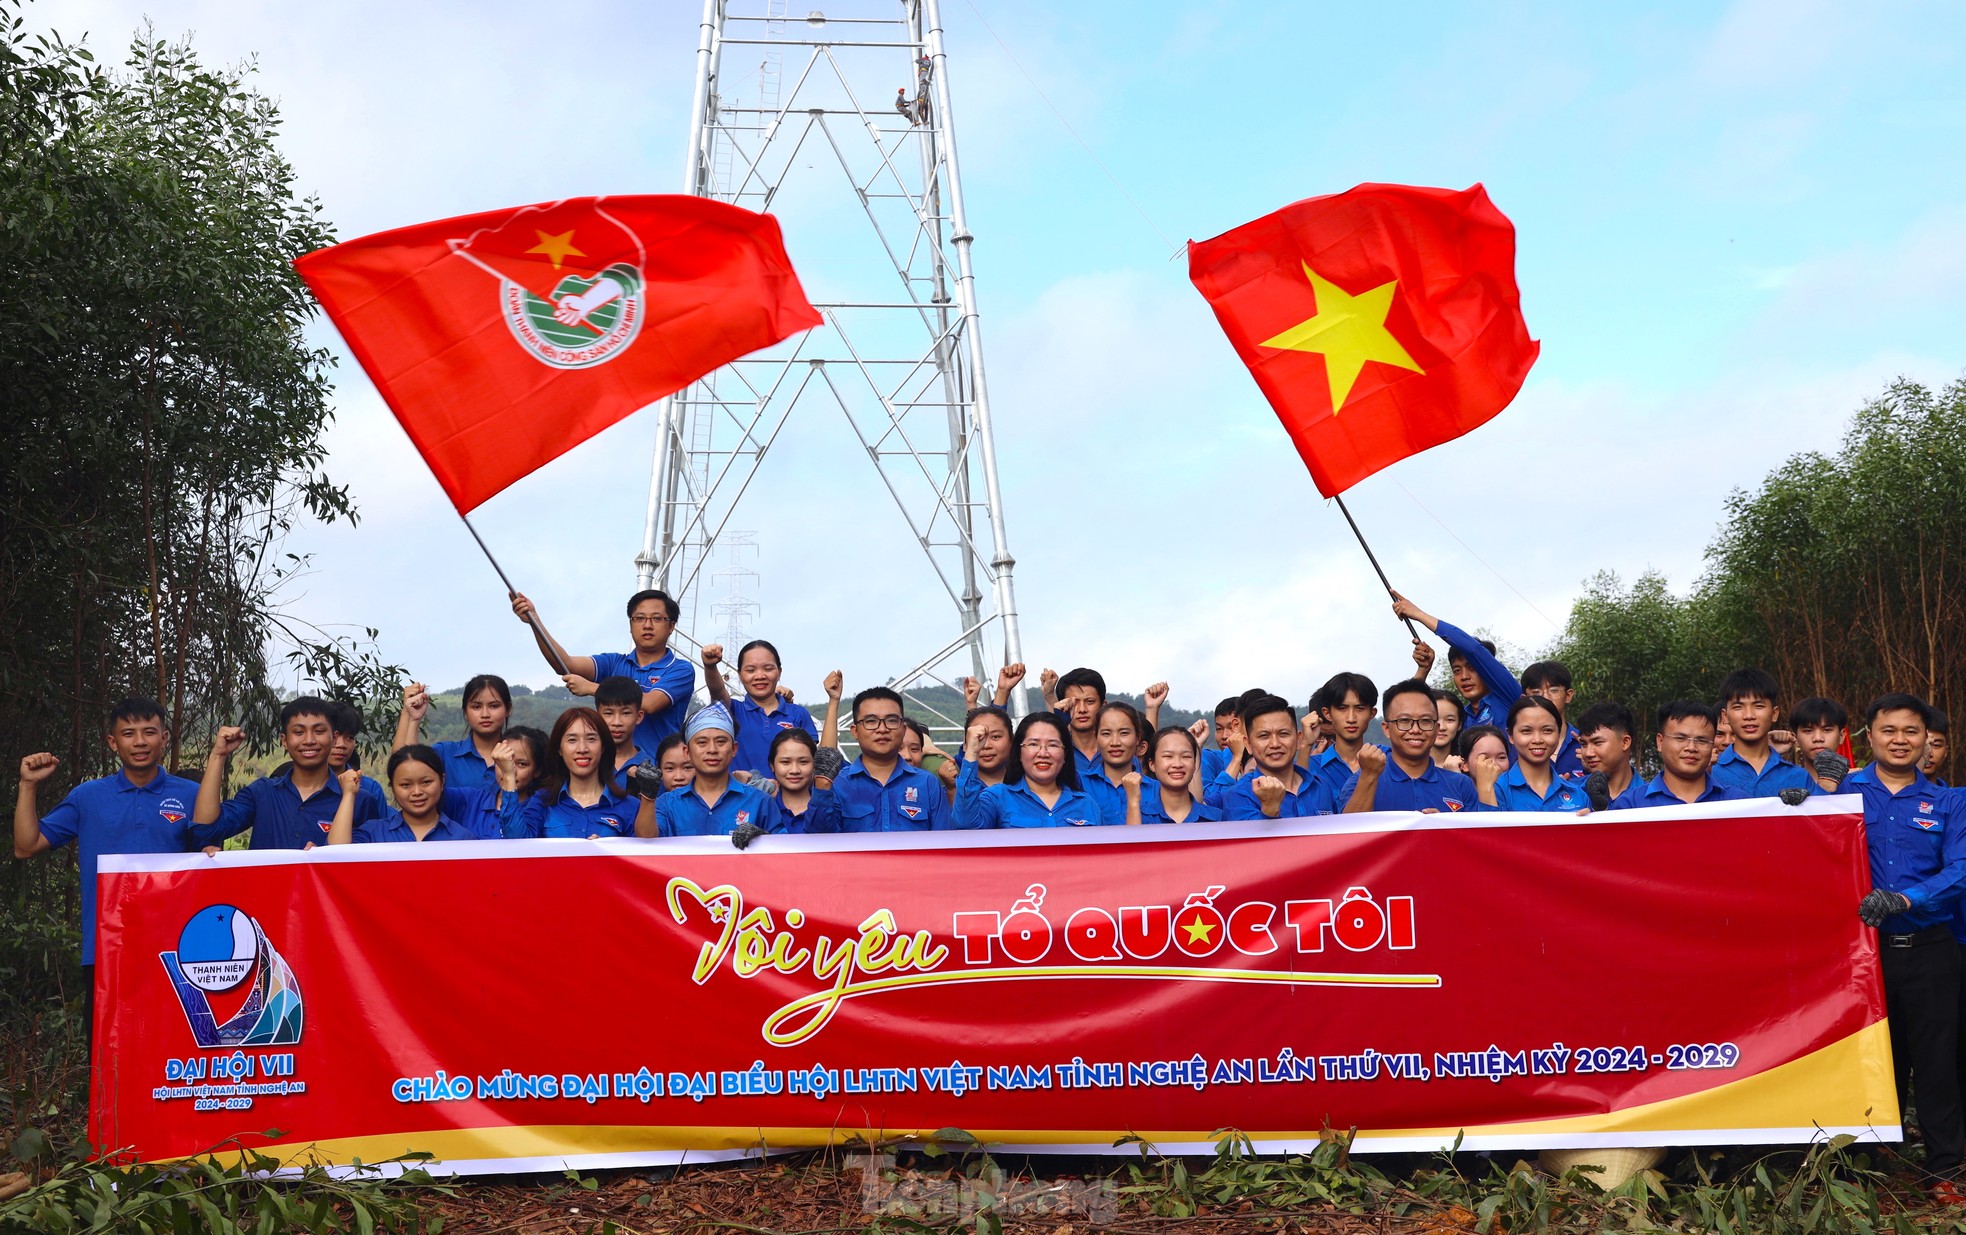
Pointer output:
x,y
236,991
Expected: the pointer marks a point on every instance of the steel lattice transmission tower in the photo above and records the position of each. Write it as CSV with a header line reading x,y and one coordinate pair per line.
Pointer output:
x,y
899,351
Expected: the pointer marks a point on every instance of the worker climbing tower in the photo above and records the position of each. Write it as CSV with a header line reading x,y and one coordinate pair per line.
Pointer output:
x,y
799,116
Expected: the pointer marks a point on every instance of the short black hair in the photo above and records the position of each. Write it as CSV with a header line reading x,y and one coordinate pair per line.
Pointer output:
x,y
1264,705
1936,722
1332,693
673,742
655,593
1686,709
307,705
535,740
1750,683
753,646
1083,677
1464,742
1228,706
1068,767
1534,703
1454,654
619,691
1898,701
416,752
138,707
1411,686
1163,731
1816,712
875,694
486,681
1546,673
917,728
345,719
1449,697
1607,715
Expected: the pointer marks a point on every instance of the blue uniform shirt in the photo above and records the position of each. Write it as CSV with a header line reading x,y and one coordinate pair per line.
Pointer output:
x,y
1336,775
668,673
476,809
613,815
110,815
1654,793
1566,761
1214,761
1152,810
756,728
390,828
1110,796
1312,798
820,817
1917,840
683,812
1776,775
1015,806
912,800
272,808
1435,789
371,793
464,767
1503,690
1513,792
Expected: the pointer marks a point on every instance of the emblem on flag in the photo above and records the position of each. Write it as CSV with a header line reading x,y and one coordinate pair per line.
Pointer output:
x,y
569,280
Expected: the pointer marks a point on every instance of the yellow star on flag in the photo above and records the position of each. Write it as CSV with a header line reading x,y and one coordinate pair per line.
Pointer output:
x,y
1198,930
558,248
1347,331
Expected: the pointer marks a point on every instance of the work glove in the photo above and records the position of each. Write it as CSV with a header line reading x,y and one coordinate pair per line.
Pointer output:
x,y
645,781
1878,905
744,833
1831,766
828,762
1793,797
1597,787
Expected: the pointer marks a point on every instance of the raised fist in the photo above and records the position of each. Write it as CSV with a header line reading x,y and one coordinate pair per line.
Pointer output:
x,y
834,684
972,691
416,700
229,739
36,768
1371,760
1269,794
1048,681
1199,732
351,780
1010,675
710,654
1131,783
1156,694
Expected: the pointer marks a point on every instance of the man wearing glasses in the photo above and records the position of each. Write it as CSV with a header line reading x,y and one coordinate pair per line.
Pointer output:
x,y
1685,738
1407,778
881,792
666,679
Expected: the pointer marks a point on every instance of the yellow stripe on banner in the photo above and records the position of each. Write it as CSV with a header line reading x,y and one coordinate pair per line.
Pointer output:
x,y
1848,1083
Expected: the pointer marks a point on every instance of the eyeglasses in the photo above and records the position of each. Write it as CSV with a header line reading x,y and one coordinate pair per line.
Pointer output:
x,y
1044,747
1407,724
881,722
645,619
1686,739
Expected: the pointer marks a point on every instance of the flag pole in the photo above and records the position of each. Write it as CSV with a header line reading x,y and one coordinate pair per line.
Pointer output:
x,y
1369,556
532,620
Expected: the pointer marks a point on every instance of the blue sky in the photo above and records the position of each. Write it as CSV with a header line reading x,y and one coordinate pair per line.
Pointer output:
x,y
1735,223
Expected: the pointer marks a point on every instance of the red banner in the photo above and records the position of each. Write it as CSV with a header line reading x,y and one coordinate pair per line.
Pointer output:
x,y
1649,977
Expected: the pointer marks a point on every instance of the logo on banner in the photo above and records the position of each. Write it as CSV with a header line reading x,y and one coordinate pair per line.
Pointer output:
x,y
234,986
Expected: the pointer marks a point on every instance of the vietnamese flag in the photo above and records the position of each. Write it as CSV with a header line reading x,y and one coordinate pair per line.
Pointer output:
x,y
1378,322
503,340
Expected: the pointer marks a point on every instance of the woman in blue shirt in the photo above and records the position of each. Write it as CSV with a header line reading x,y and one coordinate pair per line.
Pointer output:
x,y
807,809
1537,732
519,759
1040,789
416,780
1168,795
467,760
574,799
986,751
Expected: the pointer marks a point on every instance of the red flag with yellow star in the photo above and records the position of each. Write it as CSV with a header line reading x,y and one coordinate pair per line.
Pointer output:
x,y
503,340
1378,322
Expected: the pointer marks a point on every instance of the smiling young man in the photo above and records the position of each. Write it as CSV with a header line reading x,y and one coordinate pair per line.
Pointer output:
x,y
1605,736
880,791
1821,727
666,679
1347,703
1685,742
1751,700
712,804
290,810
619,701
140,808
1916,834
1405,776
1275,788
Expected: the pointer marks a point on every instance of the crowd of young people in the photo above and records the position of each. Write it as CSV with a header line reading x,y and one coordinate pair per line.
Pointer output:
x,y
632,760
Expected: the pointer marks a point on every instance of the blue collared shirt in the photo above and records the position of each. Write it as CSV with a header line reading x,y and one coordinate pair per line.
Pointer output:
x,y
1015,806
912,800
613,815
1776,775
476,809
1503,689
683,812
668,673
1153,810
110,815
1110,796
1917,840
1435,789
390,828
1214,761
1513,792
1337,776
273,809
1654,793
1313,797
464,767
820,817
756,729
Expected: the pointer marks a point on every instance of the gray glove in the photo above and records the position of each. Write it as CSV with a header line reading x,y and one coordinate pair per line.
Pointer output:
x,y
1878,905
1831,767
828,762
1597,787
1793,797
645,781
744,833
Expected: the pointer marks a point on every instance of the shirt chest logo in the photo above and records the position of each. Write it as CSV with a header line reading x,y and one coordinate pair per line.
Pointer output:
x,y
743,817
1925,818
913,812
171,811
1451,803
908,795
